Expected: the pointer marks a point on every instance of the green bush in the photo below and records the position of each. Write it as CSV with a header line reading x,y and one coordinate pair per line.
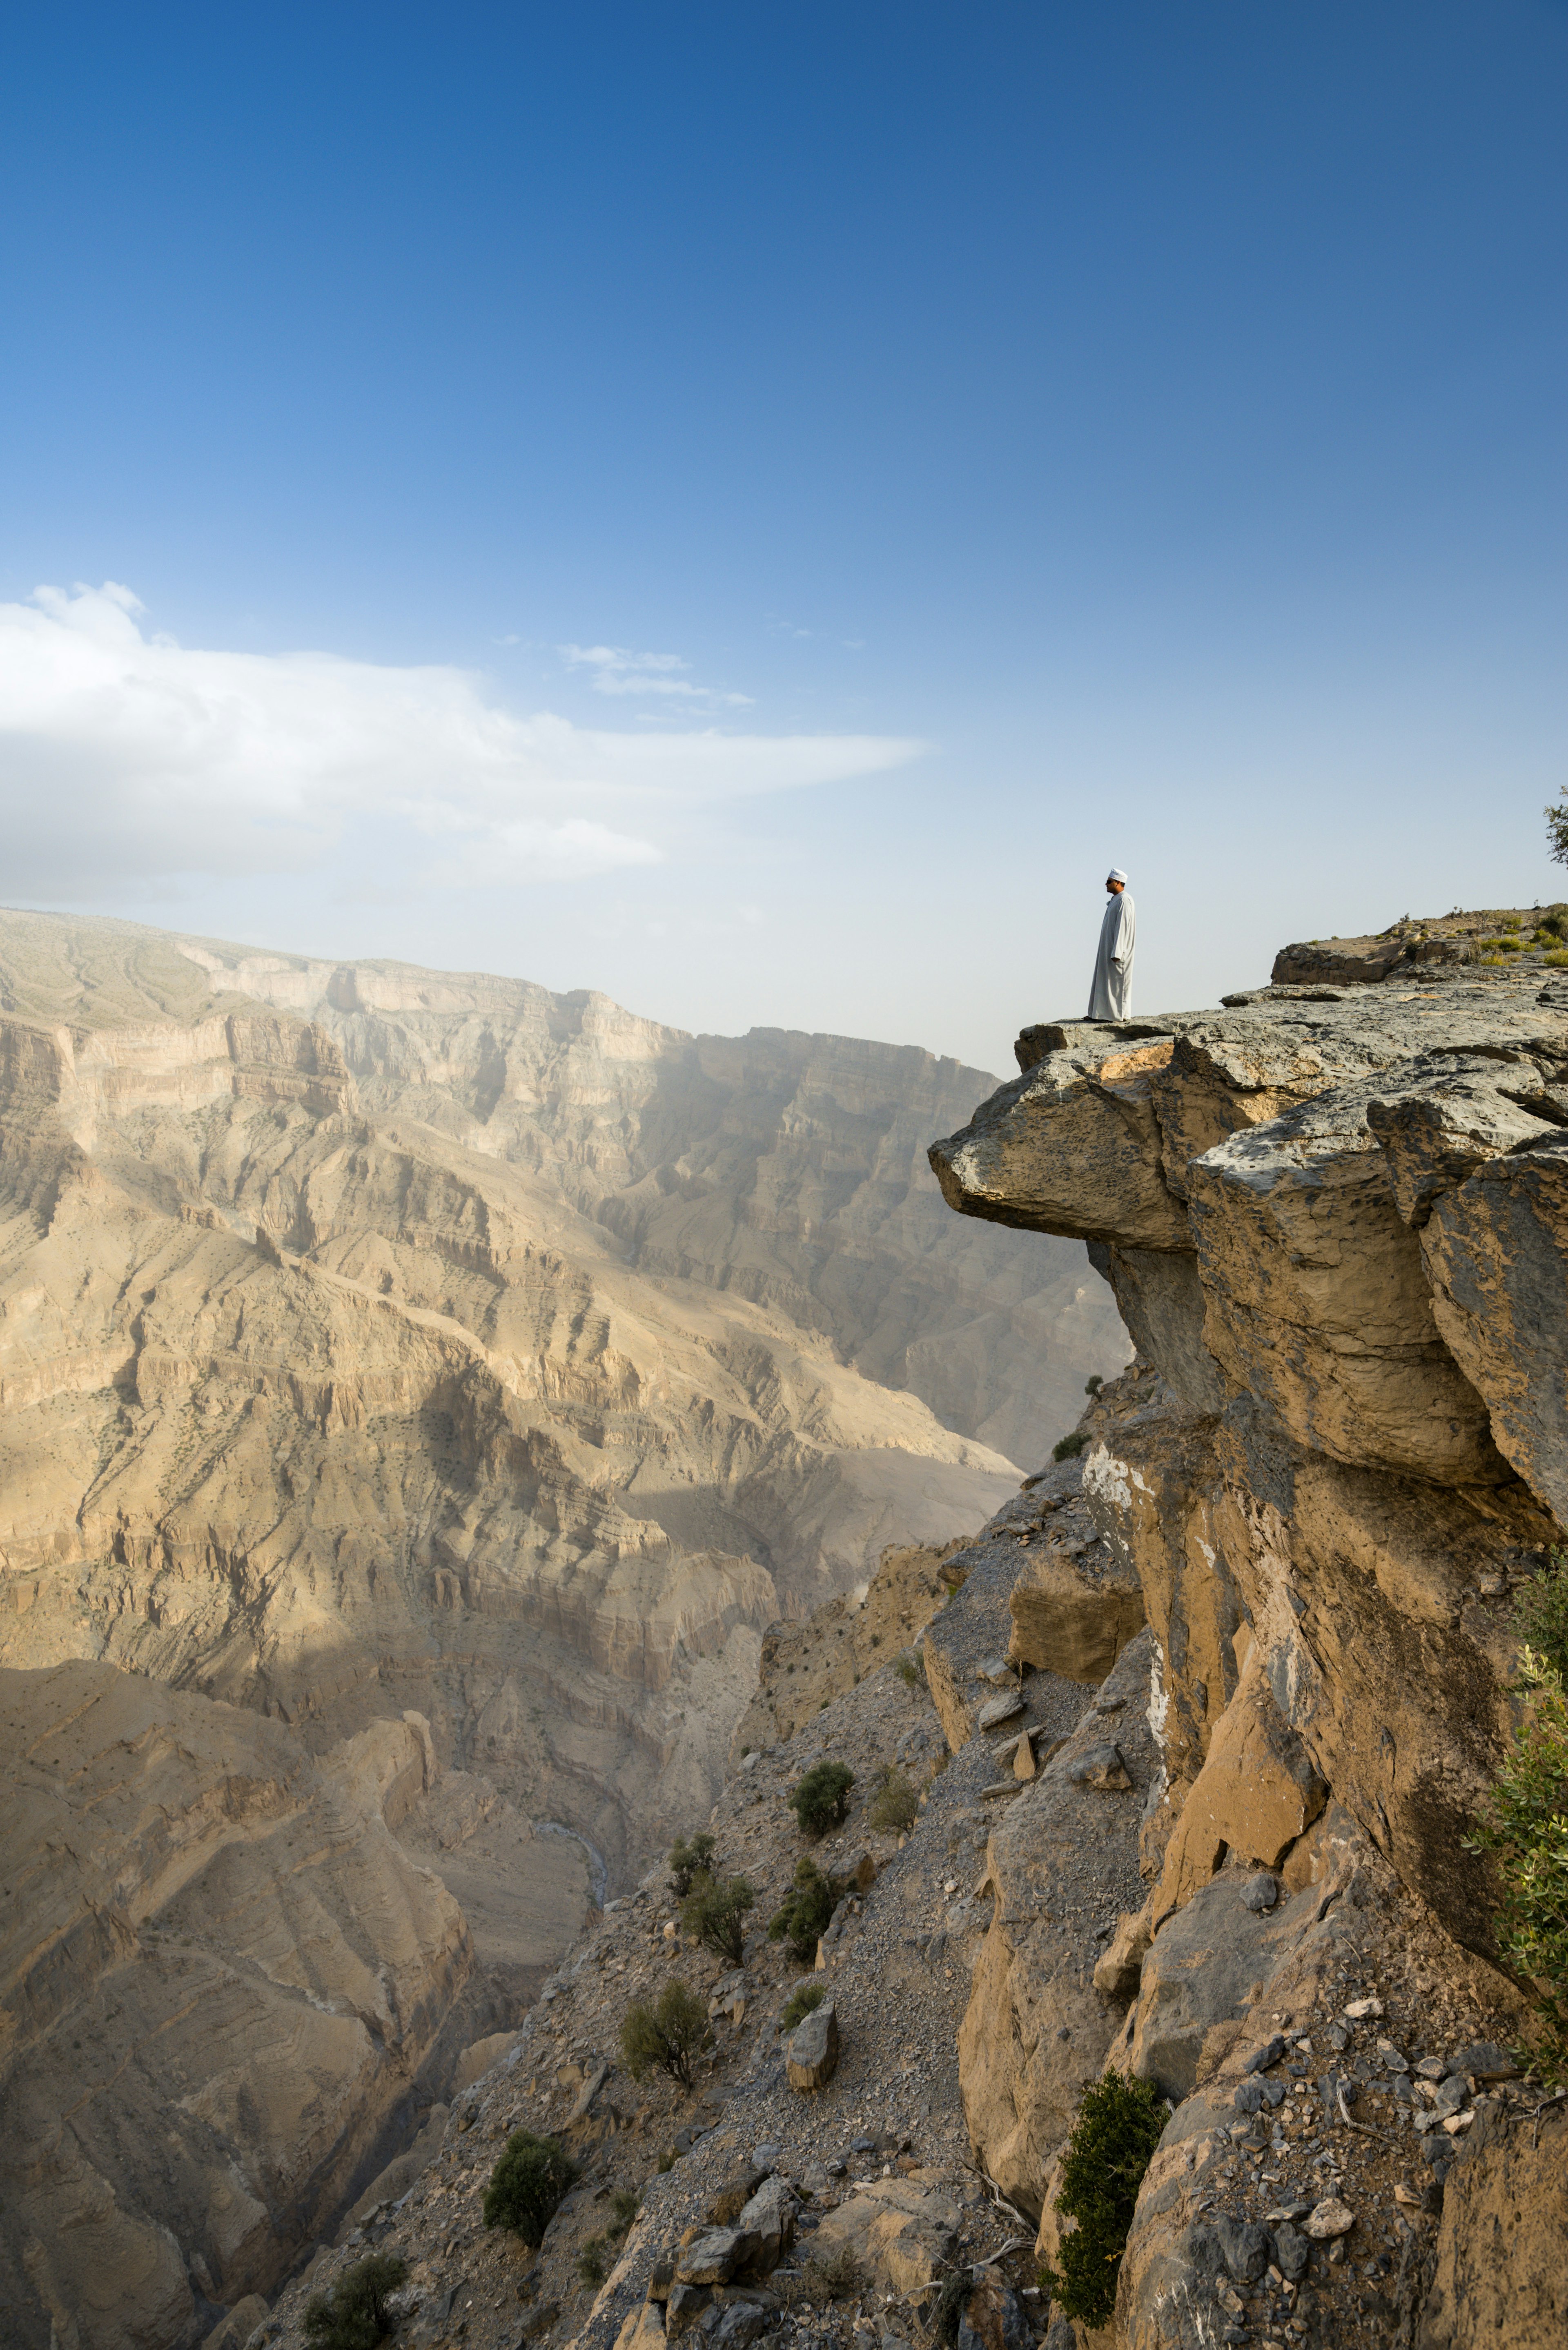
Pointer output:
x,y
689,1861
528,2186
803,2000
1070,1447
666,2035
352,2315
822,1799
895,1807
591,2267
716,1916
803,1916
1119,2127
1525,1822
911,1666
1092,1384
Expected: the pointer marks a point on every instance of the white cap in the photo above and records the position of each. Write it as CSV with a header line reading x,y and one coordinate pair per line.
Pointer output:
x,y
1115,874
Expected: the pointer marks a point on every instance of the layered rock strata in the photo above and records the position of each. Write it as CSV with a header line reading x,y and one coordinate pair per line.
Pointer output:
x,y
1335,1223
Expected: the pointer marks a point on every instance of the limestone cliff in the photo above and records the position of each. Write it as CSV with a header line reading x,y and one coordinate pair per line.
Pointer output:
x,y
1336,1221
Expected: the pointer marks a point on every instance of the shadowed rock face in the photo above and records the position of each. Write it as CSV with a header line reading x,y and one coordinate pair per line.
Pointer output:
x,y
221,1979
1359,1435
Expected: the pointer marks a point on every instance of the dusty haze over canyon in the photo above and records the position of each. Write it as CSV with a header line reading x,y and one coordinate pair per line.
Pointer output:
x,y
431,1388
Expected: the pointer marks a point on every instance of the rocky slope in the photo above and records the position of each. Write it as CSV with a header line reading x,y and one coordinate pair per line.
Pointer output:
x,y
379,1345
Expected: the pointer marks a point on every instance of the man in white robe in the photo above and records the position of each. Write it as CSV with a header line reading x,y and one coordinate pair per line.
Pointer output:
x,y
1111,995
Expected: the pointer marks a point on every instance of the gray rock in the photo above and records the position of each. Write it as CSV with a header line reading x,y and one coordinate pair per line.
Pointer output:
x,y
1484,2061
1269,2053
993,2318
713,2256
739,2325
1292,2250
767,2157
1101,1766
811,2053
997,1669
1247,2248
998,1711
1248,2097
1261,1892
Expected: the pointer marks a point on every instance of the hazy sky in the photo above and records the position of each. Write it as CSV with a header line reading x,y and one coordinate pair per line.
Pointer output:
x,y
753,508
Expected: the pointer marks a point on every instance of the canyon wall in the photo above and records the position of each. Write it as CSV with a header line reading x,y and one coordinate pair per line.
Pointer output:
x,y
382,1347
1335,1219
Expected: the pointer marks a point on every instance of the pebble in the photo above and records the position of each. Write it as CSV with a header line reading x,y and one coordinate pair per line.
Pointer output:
x,y
1260,1892
1329,2219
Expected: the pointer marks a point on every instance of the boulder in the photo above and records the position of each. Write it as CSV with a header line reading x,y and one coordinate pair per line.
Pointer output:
x,y
769,2219
901,2232
811,2052
1101,1765
1074,1605
713,2256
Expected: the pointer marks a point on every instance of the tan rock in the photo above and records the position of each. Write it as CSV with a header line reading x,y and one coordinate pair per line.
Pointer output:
x,y
811,2052
901,2232
1067,1618
1062,1149
1258,1791
1500,2276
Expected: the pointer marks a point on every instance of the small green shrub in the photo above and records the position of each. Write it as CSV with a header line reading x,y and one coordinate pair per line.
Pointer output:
x,y
591,2261
910,1666
1555,920
822,1799
1070,1446
625,2207
715,1915
351,2315
1505,946
801,1918
667,2160
528,2186
1525,1822
1558,958
666,2035
689,1861
895,1807
803,2000
1119,2127
1092,1384
838,2276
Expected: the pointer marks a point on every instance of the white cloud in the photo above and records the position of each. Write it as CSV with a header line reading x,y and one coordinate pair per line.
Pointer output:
x,y
126,757
617,670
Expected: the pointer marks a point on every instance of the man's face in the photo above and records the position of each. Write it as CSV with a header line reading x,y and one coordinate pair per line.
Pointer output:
x,y
1116,888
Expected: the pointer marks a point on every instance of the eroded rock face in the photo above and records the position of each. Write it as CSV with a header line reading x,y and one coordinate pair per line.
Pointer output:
x,y
1064,1856
1344,1443
214,1946
1372,1207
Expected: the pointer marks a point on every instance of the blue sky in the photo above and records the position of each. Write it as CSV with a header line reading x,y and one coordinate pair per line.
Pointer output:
x,y
753,509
